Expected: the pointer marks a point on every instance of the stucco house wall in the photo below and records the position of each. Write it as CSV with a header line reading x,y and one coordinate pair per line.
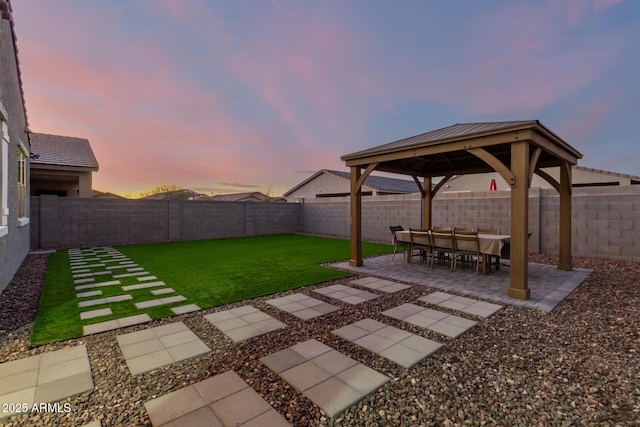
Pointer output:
x,y
14,238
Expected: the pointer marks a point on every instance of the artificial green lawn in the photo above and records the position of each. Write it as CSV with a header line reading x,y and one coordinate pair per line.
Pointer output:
x,y
207,272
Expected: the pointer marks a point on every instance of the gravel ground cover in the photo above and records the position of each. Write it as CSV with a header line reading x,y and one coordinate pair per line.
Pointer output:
x,y
578,365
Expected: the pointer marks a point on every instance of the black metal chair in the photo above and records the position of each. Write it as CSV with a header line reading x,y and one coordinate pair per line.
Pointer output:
x,y
396,242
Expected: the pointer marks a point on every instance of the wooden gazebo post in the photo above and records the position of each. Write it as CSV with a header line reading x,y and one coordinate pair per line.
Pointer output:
x,y
564,229
356,218
519,287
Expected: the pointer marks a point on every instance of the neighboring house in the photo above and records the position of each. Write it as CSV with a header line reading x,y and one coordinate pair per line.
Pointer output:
x,y
253,196
106,195
183,194
332,183
14,154
581,177
61,165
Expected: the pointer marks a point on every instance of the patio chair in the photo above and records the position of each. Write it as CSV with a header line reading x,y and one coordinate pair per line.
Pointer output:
x,y
422,243
491,259
396,243
466,244
443,244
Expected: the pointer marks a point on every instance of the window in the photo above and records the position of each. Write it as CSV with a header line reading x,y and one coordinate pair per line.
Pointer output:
x,y
4,174
23,154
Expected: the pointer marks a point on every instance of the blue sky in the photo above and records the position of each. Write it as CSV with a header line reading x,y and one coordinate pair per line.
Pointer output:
x,y
249,95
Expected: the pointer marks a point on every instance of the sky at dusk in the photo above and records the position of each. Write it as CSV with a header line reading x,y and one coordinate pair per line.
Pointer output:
x,y
230,96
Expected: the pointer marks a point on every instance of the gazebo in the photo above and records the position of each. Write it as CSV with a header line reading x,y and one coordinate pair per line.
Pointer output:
x,y
514,149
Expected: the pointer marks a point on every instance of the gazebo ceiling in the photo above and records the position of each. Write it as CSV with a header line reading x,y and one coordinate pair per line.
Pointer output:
x,y
445,151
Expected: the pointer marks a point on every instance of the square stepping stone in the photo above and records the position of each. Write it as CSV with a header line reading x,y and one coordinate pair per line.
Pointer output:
x,y
143,286
464,304
244,322
107,300
223,400
88,294
97,285
109,325
120,276
302,306
145,278
346,294
437,321
402,347
152,348
162,291
45,378
332,380
381,285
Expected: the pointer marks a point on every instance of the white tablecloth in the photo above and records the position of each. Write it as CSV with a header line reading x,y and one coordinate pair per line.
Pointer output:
x,y
490,244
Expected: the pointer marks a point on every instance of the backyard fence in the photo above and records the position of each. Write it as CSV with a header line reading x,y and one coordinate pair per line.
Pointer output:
x,y
605,221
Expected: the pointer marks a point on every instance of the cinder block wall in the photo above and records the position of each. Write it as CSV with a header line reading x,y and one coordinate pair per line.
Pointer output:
x,y
73,222
605,221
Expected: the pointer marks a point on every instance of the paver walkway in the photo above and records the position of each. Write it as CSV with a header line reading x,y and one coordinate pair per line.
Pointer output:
x,y
302,306
223,400
402,347
152,348
464,304
548,285
437,321
346,294
244,322
47,377
327,377
88,265
381,285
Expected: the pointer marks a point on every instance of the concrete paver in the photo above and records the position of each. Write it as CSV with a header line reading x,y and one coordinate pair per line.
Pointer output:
x,y
185,309
244,322
159,301
152,348
402,347
302,306
330,379
437,321
223,400
346,294
109,325
466,305
45,378
381,285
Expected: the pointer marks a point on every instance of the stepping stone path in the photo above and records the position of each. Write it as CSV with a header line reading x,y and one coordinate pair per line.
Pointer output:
x,y
244,322
108,263
152,348
302,306
45,378
464,304
402,347
346,294
327,377
224,400
437,321
381,285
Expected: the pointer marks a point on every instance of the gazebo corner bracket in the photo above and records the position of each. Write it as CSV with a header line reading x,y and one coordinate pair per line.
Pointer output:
x,y
495,163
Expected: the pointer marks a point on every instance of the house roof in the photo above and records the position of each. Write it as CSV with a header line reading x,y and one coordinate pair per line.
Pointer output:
x,y
182,194
379,183
603,172
62,151
236,197
6,13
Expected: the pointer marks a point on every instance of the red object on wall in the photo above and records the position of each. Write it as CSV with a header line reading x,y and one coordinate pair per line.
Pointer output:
x,y
492,186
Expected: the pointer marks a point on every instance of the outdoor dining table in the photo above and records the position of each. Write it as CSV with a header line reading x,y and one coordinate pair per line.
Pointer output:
x,y
490,244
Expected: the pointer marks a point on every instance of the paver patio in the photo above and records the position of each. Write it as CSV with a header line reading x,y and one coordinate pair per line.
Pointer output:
x,y
346,294
224,400
244,322
152,348
548,285
45,378
463,304
327,377
402,347
437,321
302,306
381,285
